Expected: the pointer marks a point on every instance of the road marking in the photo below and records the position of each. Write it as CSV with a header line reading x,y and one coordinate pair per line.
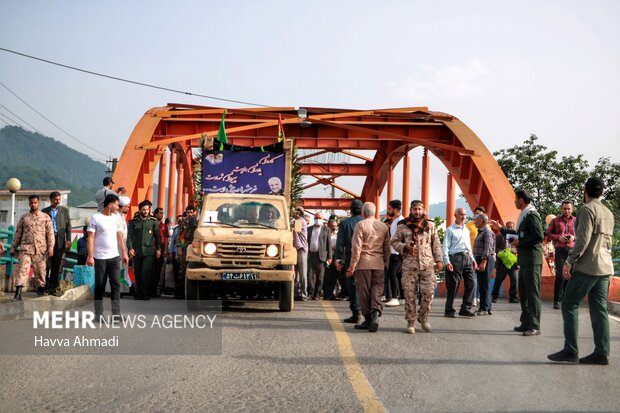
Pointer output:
x,y
364,391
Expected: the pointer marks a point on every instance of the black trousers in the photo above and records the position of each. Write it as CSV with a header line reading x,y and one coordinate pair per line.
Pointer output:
x,y
53,272
392,280
462,270
105,270
561,254
329,285
159,275
316,268
143,270
500,275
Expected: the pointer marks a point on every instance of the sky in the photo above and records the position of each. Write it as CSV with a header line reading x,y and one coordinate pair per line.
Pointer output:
x,y
506,69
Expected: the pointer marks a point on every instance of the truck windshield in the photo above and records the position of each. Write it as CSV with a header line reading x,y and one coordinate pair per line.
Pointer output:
x,y
244,214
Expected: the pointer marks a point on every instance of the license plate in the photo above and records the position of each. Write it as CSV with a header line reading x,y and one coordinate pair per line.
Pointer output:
x,y
247,276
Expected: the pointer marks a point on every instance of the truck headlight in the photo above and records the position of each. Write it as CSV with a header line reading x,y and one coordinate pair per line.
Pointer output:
x,y
209,248
272,250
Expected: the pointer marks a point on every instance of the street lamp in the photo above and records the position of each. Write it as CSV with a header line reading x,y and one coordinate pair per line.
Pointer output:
x,y
13,186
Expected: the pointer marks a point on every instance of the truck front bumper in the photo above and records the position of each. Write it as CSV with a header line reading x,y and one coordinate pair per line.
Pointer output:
x,y
228,274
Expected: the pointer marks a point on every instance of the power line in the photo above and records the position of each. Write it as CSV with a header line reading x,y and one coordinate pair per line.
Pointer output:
x,y
58,127
14,114
132,81
10,119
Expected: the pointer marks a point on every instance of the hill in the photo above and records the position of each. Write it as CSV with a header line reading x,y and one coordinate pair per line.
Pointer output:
x,y
41,162
439,209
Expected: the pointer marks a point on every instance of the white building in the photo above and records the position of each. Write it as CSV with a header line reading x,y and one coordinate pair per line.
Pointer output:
x,y
21,203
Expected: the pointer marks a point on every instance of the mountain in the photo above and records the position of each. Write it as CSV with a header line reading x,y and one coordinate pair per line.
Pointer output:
x,y
439,209
41,162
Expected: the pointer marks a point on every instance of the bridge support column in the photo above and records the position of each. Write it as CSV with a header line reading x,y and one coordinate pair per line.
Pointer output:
x,y
172,182
161,183
406,185
390,184
149,192
450,202
180,187
426,172
377,201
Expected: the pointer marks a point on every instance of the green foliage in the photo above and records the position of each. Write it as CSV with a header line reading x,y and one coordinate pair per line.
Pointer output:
x,y
40,162
296,183
534,167
440,231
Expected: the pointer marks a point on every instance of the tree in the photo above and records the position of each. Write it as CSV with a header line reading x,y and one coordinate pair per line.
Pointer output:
x,y
534,167
610,174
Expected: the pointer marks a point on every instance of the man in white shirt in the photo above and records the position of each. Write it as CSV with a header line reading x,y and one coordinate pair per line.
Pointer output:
x,y
105,240
393,275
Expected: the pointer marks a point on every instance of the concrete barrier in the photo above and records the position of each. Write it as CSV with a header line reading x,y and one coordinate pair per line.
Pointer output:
x,y
73,298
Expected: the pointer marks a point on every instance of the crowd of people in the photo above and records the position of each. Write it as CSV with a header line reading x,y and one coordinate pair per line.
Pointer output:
x,y
368,262
372,263
111,243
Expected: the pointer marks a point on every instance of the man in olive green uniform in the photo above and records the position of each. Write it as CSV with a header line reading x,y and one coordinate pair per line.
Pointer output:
x,y
530,235
588,267
183,241
416,240
144,245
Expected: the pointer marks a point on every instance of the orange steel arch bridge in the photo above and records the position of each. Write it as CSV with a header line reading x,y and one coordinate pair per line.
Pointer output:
x,y
163,139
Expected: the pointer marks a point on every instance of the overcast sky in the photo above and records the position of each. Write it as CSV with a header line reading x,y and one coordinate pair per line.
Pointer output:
x,y
506,69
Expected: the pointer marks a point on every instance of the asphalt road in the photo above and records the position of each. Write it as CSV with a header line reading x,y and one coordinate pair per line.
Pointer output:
x,y
303,362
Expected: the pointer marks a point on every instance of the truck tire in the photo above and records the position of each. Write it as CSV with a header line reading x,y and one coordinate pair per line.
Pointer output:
x,y
191,294
286,301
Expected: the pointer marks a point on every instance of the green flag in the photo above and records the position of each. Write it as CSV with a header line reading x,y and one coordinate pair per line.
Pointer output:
x,y
221,134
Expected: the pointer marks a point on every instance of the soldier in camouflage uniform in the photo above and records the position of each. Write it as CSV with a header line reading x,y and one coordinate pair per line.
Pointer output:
x,y
417,242
34,235
144,245
184,240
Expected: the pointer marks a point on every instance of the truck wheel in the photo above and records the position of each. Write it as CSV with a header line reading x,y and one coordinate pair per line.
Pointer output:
x,y
191,294
286,301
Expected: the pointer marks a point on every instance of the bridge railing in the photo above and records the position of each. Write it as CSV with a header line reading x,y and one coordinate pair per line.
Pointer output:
x,y
7,235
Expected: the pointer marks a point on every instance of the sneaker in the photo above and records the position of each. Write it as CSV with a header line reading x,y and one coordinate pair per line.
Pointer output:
x,y
556,305
520,329
531,332
450,314
599,359
392,303
563,356
383,299
401,301
475,304
513,300
494,299
410,327
426,326
41,291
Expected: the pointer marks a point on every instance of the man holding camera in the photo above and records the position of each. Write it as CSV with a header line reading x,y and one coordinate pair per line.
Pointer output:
x,y
561,232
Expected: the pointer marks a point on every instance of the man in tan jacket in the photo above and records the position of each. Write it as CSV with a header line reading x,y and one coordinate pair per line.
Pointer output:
x,y
34,235
370,253
589,268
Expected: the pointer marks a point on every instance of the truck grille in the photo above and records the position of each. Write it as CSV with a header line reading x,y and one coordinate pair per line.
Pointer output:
x,y
241,250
